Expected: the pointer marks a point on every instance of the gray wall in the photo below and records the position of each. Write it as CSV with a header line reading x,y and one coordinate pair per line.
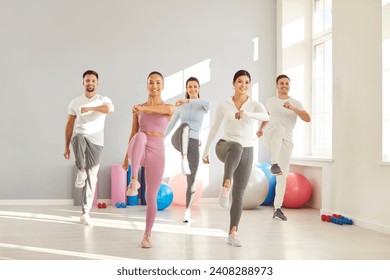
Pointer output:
x,y
46,46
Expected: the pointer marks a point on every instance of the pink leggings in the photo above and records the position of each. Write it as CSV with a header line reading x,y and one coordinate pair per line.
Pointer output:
x,y
148,151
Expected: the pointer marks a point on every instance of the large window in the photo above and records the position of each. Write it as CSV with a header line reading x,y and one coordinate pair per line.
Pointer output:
x,y
322,78
306,57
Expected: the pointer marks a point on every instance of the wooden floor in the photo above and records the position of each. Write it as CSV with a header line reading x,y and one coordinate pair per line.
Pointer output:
x,y
54,233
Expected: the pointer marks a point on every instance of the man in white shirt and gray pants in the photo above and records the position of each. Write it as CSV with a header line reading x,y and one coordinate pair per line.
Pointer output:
x,y
85,129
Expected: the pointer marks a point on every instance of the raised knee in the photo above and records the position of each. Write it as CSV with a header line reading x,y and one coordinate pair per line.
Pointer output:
x,y
236,147
140,136
185,127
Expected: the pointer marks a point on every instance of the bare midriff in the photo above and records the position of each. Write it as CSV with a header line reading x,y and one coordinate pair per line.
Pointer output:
x,y
151,133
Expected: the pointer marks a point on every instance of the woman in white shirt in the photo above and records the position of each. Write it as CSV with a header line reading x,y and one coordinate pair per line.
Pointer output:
x,y
235,149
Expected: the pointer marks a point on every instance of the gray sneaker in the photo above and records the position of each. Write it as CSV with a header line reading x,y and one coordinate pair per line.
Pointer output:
x,y
233,239
279,214
85,219
275,169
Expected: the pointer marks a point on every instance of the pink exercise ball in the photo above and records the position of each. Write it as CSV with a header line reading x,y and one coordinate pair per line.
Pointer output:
x,y
298,191
178,184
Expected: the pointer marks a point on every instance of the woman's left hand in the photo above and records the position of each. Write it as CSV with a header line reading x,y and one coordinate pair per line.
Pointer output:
x,y
239,114
181,102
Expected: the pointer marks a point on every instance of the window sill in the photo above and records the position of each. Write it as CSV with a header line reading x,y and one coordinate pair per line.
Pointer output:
x,y
310,160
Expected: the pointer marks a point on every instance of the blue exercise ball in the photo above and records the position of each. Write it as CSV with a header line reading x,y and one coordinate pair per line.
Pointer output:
x,y
164,196
266,167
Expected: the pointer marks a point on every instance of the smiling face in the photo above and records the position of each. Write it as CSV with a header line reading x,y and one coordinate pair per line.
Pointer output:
x,y
192,89
155,85
241,85
283,86
90,83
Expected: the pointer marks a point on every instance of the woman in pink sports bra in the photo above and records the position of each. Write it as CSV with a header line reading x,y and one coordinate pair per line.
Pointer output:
x,y
146,147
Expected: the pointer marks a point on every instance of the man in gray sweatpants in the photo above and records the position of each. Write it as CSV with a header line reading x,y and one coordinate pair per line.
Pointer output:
x,y
85,129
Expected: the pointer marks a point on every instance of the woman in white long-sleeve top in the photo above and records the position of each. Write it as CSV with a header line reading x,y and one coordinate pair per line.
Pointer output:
x,y
240,113
190,111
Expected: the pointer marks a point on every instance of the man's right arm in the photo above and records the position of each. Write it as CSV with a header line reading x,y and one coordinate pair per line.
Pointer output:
x,y
68,134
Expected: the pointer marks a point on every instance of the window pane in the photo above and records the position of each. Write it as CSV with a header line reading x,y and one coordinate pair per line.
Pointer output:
x,y
322,16
322,99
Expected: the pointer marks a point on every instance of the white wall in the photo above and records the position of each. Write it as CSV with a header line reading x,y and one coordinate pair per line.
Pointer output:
x,y
360,184
47,45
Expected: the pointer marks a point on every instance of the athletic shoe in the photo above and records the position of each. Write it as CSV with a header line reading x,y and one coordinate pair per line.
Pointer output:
x,y
223,198
86,219
279,214
185,167
132,188
275,170
145,243
233,239
80,179
187,216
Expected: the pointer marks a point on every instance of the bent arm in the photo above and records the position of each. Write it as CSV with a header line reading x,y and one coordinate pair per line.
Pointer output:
x,y
106,108
166,109
302,114
260,113
202,103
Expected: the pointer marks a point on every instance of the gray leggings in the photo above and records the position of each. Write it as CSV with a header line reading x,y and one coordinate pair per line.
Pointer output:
x,y
238,166
193,160
87,157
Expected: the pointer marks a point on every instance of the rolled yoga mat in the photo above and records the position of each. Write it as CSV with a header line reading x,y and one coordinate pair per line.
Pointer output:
x,y
118,184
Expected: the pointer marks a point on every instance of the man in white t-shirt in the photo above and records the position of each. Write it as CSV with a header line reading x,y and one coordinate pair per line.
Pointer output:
x,y
85,129
283,111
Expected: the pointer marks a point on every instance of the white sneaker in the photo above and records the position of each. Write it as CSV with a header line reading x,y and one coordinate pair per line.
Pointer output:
x,y
80,179
185,167
233,239
146,243
85,219
132,188
187,216
223,198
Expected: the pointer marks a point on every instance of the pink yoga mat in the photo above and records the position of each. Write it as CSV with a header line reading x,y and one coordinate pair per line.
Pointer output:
x,y
95,197
118,184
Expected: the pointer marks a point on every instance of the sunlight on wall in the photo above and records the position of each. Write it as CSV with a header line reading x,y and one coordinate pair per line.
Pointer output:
x,y
293,33
201,71
175,84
